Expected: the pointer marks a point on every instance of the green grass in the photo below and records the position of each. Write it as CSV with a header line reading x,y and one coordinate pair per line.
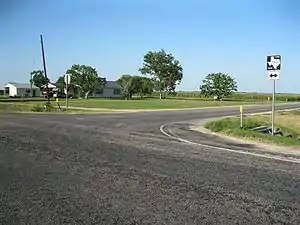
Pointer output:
x,y
147,103
29,106
285,121
15,107
116,104
177,101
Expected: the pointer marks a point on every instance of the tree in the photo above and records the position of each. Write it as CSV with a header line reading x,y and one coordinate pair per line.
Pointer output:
x,y
165,70
146,86
127,85
135,85
86,77
219,85
61,81
38,78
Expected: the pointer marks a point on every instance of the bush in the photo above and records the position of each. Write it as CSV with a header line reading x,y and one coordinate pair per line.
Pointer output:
x,y
37,108
47,107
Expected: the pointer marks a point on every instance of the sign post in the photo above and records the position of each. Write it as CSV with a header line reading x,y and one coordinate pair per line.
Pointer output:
x,y
241,111
67,81
273,68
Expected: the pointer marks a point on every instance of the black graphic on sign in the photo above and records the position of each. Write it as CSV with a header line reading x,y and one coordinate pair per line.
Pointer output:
x,y
273,62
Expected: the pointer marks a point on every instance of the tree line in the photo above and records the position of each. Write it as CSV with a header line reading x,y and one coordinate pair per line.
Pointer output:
x,y
160,71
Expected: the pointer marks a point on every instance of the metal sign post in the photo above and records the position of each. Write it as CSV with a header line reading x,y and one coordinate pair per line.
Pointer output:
x,y
273,67
67,81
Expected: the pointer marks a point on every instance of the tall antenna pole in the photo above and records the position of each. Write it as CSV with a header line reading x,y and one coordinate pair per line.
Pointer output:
x,y
45,71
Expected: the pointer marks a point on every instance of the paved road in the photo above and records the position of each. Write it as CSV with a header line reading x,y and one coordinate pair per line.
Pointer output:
x,y
119,169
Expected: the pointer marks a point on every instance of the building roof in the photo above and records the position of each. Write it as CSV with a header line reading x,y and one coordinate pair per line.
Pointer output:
x,y
112,84
2,86
22,85
50,85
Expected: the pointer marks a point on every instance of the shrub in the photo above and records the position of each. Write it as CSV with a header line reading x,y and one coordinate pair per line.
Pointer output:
x,y
47,107
37,108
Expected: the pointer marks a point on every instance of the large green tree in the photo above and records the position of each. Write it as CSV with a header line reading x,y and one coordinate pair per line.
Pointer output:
x,y
135,85
218,84
86,77
166,71
38,78
126,82
145,86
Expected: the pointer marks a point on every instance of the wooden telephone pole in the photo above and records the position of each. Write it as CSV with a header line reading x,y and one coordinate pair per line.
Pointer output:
x,y
45,71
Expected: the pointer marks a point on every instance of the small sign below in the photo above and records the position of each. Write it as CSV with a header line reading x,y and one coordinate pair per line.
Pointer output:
x,y
273,62
273,75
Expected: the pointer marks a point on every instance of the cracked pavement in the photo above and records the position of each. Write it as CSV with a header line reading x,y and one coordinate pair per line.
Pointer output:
x,y
120,169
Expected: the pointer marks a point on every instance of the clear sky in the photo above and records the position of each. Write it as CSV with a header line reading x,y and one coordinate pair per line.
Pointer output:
x,y
232,36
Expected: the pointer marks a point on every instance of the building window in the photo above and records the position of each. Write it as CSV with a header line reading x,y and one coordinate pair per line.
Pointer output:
x,y
117,91
99,91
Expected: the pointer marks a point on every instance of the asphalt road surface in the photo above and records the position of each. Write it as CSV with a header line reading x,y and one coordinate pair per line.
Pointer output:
x,y
120,169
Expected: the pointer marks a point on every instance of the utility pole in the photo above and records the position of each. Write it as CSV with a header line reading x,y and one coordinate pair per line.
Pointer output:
x,y
45,71
31,85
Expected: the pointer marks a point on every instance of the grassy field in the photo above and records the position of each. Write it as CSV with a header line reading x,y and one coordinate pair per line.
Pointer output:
x,y
175,101
15,107
114,104
148,103
287,121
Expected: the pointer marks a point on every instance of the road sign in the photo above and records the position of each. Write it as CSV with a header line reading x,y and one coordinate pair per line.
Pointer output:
x,y
56,99
67,79
273,67
241,108
274,62
273,75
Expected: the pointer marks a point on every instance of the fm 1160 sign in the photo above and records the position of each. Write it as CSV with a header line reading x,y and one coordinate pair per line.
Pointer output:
x,y
273,62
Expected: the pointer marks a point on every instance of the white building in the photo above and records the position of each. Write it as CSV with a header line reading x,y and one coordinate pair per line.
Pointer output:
x,y
110,90
21,89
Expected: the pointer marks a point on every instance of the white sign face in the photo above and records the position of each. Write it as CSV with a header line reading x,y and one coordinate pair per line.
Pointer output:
x,y
273,62
273,75
67,79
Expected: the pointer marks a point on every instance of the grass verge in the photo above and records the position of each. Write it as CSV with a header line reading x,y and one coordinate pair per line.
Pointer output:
x,y
287,121
33,107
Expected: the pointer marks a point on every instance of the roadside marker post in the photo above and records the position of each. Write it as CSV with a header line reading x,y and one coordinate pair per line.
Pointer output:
x,y
57,103
67,81
273,68
241,111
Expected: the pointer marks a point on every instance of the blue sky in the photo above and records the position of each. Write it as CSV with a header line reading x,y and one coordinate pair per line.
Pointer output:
x,y
207,36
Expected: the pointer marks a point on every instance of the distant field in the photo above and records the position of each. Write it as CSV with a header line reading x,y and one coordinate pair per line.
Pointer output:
x,y
241,96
